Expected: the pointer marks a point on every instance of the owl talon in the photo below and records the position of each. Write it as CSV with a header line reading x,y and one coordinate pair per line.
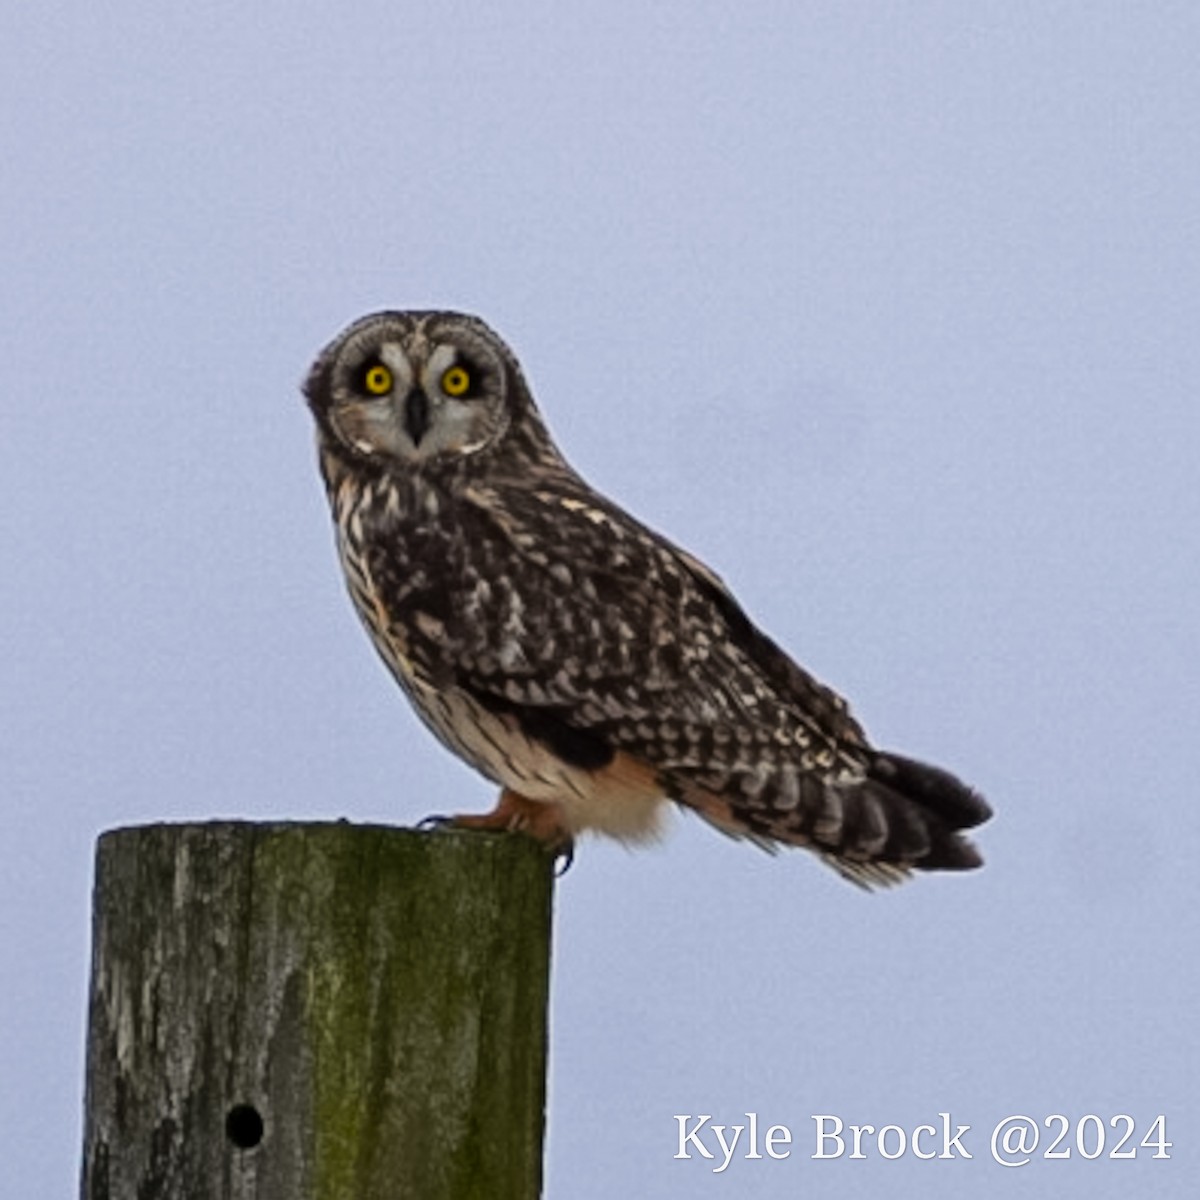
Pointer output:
x,y
515,813
435,823
564,856
561,847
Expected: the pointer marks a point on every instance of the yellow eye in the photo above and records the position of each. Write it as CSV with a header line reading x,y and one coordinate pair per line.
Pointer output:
x,y
456,381
378,380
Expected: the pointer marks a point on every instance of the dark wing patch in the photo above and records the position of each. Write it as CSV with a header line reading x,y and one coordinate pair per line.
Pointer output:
x,y
576,747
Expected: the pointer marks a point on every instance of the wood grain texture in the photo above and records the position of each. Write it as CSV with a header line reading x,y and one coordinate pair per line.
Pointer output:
x,y
376,996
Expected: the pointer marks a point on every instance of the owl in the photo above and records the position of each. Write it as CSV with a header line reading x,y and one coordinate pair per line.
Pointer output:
x,y
587,665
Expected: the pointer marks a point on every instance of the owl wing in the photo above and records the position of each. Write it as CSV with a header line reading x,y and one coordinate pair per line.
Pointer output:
x,y
600,617
599,636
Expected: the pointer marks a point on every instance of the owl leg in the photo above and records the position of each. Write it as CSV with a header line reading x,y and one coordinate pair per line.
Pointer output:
x,y
514,813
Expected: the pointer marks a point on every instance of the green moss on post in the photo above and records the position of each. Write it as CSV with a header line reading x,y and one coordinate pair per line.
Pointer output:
x,y
316,1012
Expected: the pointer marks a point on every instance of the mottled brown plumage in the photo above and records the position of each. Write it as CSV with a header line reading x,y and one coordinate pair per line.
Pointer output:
x,y
568,652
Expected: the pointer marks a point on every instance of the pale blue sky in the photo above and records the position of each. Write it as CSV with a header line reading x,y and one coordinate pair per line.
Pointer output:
x,y
888,311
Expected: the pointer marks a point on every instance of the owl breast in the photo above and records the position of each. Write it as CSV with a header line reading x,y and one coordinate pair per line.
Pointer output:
x,y
397,596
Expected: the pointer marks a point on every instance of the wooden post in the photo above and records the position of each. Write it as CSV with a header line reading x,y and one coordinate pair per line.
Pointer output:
x,y
316,1012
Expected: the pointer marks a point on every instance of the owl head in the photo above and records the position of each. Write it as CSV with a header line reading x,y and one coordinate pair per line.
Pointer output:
x,y
413,389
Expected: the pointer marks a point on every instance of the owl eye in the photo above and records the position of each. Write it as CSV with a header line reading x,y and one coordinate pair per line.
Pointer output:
x,y
456,381
378,380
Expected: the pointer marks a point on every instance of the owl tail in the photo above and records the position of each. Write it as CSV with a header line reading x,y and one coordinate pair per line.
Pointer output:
x,y
901,815
873,827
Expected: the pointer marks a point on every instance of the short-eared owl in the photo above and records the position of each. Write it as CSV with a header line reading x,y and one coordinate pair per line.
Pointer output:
x,y
575,657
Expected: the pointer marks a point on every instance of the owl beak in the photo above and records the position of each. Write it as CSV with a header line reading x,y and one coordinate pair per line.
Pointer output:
x,y
416,415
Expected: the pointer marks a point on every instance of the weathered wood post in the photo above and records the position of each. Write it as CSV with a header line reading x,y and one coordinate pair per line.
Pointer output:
x,y
316,1012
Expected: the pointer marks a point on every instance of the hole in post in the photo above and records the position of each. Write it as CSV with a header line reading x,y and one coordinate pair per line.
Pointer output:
x,y
244,1126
